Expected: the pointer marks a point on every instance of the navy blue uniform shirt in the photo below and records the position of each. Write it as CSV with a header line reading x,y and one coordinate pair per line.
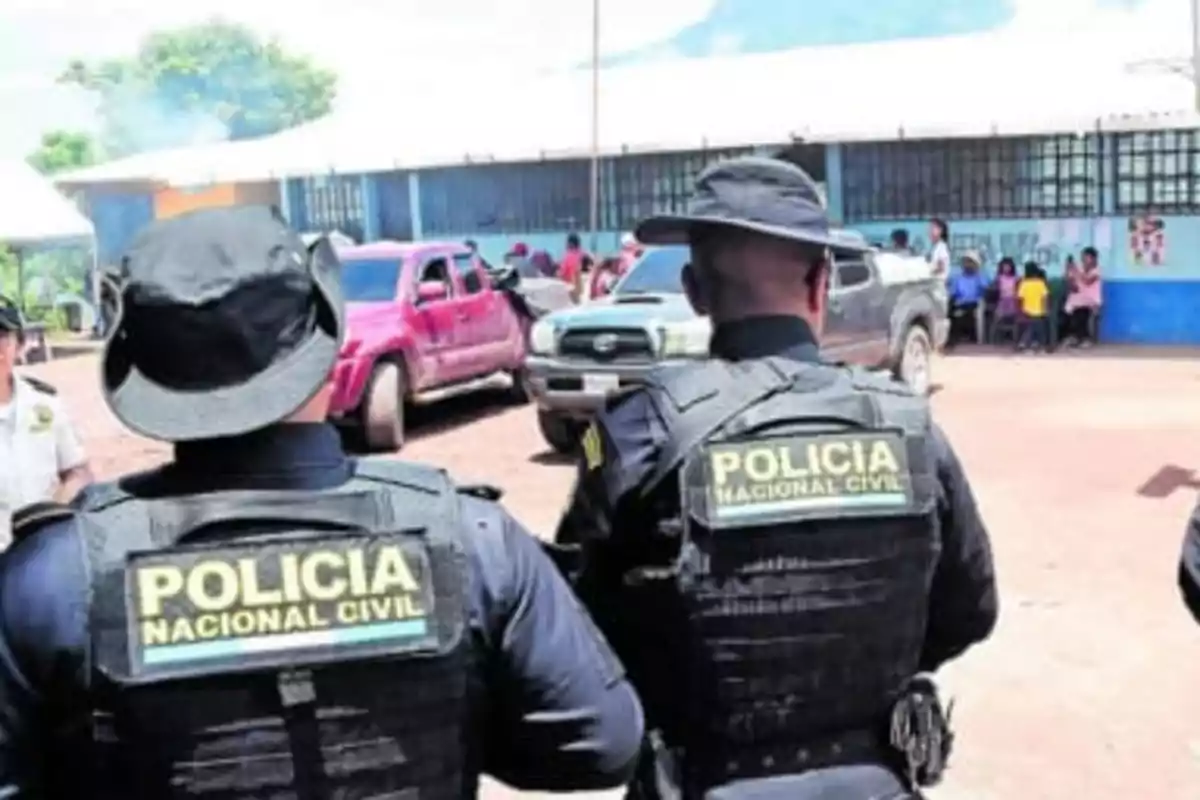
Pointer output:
x,y
557,713
963,600
1189,565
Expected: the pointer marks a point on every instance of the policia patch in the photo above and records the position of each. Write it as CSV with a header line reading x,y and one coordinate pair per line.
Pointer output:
x,y
284,603
801,477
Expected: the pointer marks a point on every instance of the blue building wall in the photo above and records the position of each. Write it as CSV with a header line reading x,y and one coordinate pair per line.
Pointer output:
x,y
1142,304
539,203
117,217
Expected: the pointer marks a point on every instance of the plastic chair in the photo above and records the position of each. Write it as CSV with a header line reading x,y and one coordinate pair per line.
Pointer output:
x,y
1002,326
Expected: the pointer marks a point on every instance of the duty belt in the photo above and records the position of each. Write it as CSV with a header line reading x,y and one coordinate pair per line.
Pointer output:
x,y
836,749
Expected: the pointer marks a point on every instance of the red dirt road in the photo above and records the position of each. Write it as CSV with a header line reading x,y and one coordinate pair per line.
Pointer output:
x,y
1090,686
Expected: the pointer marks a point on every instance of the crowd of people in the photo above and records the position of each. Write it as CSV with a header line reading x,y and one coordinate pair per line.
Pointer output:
x,y
588,276
1027,307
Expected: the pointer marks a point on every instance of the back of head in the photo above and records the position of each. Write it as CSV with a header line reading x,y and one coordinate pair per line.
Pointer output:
x,y
760,238
227,324
573,241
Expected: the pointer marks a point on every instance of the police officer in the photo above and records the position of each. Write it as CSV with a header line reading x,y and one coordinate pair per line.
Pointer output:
x,y
41,456
1189,565
263,616
776,546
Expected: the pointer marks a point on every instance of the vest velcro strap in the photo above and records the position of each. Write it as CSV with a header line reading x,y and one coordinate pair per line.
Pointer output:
x,y
297,698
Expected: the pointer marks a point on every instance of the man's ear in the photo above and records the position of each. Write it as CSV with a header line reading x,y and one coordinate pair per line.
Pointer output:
x,y
694,288
818,285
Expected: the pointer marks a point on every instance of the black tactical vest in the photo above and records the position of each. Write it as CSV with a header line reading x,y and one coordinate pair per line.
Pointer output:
x,y
303,645
808,542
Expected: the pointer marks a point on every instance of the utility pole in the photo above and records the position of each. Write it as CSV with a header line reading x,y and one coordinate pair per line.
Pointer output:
x,y
1196,52
594,196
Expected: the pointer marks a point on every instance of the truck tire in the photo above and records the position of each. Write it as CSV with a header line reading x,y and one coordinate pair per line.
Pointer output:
x,y
383,408
519,394
915,366
561,433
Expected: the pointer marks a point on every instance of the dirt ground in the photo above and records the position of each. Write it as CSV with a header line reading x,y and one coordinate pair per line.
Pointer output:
x,y
1081,463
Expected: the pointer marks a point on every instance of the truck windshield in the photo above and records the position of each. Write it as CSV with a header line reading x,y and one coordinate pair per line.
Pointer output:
x,y
658,272
370,280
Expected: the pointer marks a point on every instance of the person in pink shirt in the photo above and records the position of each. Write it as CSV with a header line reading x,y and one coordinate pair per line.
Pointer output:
x,y
604,278
1006,289
574,263
631,251
1084,299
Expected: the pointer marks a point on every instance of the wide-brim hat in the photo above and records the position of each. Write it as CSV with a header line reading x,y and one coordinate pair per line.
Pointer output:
x,y
227,323
757,194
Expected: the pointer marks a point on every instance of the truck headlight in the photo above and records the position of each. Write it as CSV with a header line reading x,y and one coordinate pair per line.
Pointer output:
x,y
542,338
687,340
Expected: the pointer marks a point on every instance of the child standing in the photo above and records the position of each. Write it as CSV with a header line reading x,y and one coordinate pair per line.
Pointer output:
x,y
1006,289
1033,292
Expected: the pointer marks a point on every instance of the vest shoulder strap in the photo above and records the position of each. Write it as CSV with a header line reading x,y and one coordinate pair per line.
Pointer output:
x,y
35,516
702,399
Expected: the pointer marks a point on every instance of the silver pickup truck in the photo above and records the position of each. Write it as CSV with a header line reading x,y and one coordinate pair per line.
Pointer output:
x,y
883,318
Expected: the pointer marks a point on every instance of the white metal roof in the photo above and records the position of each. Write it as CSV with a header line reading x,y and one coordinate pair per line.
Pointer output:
x,y
32,211
978,85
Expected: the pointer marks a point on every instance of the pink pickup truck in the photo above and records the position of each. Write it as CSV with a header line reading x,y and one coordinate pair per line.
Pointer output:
x,y
422,318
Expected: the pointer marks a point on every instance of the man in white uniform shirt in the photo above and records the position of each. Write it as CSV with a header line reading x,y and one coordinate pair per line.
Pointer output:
x,y
41,457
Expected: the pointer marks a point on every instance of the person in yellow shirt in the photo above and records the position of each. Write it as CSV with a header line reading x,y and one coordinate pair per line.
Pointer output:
x,y
1033,294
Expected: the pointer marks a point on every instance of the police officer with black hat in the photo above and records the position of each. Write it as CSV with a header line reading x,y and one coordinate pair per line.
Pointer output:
x,y
777,548
263,616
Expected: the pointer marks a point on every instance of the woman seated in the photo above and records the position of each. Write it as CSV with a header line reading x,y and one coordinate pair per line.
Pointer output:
x,y
1084,298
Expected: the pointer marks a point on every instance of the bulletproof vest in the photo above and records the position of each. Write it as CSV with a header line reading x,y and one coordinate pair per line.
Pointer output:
x,y
280,644
808,539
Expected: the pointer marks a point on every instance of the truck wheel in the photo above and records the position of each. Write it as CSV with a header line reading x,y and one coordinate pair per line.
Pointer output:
x,y
916,360
561,433
519,393
383,409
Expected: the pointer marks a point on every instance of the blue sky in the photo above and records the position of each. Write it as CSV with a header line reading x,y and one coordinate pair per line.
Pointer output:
x,y
444,45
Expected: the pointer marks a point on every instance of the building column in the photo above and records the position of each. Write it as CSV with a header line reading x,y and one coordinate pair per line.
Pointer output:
x,y
285,200
833,184
414,204
1106,199
372,224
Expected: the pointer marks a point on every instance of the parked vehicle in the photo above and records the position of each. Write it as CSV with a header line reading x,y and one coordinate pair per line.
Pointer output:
x,y
423,321
580,355
541,294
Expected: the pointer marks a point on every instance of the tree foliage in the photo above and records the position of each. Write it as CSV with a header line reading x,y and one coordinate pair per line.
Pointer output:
x,y
64,150
207,82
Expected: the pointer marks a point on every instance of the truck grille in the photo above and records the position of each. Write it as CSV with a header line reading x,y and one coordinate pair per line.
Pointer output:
x,y
617,344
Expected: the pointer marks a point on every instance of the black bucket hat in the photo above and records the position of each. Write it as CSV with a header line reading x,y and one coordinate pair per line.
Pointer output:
x,y
754,193
227,323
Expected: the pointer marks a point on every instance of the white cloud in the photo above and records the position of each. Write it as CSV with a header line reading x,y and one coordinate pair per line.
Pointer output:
x,y
725,44
380,48
1154,28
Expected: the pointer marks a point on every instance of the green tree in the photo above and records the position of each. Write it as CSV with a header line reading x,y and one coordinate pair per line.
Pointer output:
x,y
64,150
201,83
8,272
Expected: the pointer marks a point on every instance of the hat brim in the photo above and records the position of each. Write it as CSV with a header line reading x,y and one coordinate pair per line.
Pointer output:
x,y
672,229
172,415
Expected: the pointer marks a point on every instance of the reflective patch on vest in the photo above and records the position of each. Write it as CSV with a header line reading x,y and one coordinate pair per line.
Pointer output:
x,y
264,605
593,448
761,481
